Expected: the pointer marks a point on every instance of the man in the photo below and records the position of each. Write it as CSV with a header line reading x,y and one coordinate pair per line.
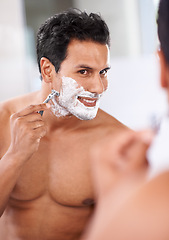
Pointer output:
x,y
133,198
46,185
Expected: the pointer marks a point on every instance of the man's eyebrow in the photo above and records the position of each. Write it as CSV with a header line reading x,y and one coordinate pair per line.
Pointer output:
x,y
83,66
87,67
107,68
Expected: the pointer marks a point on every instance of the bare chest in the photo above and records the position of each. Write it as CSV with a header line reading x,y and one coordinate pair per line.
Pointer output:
x,y
60,169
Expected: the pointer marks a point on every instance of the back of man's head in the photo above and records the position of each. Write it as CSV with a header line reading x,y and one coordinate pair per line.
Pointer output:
x,y
163,28
55,34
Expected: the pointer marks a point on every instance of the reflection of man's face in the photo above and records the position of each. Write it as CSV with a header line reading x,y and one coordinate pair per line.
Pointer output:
x,y
83,78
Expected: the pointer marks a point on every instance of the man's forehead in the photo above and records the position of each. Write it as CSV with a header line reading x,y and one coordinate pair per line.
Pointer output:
x,y
86,52
79,45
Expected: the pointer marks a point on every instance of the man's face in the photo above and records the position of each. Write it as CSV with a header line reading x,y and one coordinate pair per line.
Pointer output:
x,y
82,80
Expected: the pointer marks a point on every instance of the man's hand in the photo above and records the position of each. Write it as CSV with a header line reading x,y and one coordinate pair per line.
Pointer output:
x,y
117,157
27,128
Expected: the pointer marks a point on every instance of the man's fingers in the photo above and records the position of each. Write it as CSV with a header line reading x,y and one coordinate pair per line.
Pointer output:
x,y
114,143
126,139
146,136
126,149
33,108
35,116
36,124
40,131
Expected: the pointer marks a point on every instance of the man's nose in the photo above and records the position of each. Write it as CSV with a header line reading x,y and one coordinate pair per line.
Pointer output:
x,y
98,85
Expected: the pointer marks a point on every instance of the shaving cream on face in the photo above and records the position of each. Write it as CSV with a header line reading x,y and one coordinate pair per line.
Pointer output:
x,y
68,103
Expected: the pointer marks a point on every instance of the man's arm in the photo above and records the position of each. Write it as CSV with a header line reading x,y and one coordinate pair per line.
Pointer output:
x,y
27,128
146,213
144,216
119,170
119,156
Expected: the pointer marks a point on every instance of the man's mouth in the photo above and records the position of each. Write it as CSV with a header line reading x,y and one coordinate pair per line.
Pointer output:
x,y
88,102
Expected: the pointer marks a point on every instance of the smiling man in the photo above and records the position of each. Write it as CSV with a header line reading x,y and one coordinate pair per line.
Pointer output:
x,y
82,79
45,177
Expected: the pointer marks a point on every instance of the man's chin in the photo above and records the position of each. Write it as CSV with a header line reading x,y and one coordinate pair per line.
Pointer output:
x,y
86,116
77,109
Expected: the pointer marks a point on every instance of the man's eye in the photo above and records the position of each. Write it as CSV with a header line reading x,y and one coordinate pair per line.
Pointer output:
x,y
103,72
83,71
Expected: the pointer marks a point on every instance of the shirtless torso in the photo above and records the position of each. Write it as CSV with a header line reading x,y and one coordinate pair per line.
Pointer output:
x,y
51,195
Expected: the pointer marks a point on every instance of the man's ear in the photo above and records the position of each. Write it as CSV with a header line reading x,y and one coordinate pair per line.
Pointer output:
x,y
164,77
47,70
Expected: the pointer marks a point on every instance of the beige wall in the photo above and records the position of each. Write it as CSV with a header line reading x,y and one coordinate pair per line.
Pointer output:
x,y
12,49
123,20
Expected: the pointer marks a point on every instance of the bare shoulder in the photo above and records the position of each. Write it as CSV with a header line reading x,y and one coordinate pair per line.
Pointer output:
x,y
149,204
143,216
9,107
157,188
17,103
154,192
13,105
5,113
107,121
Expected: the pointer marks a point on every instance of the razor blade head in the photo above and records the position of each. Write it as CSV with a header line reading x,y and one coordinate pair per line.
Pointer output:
x,y
51,95
55,93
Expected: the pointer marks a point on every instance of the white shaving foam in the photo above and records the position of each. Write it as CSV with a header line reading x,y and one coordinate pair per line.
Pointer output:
x,y
67,103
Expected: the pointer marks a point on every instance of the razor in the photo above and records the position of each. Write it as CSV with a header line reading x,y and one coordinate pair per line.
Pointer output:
x,y
49,97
